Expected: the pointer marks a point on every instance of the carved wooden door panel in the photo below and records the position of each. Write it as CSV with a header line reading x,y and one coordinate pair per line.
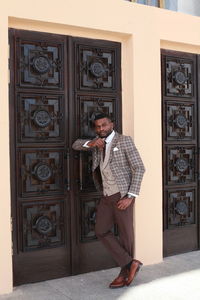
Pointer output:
x,y
39,143
57,84
97,88
180,152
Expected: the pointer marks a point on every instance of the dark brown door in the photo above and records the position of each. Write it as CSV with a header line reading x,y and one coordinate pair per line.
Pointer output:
x,y
57,84
96,87
180,152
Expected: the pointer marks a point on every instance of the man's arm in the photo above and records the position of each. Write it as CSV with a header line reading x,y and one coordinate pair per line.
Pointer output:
x,y
136,165
138,170
82,144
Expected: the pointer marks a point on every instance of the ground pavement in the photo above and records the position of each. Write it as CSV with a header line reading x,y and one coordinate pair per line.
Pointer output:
x,y
176,278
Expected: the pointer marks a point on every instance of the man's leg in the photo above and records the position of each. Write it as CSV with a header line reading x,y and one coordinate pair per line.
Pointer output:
x,y
104,222
104,219
124,220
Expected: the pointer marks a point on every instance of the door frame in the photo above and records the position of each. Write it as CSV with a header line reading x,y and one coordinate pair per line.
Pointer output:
x,y
166,99
72,202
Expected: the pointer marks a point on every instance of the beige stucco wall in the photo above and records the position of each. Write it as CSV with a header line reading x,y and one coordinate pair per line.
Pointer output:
x,y
142,31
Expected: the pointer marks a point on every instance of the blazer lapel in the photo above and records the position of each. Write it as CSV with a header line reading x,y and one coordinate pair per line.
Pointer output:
x,y
105,162
96,158
114,143
97,153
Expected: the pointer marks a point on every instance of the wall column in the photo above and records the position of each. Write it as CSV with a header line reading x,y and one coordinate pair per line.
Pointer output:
x,y
148,133
5,207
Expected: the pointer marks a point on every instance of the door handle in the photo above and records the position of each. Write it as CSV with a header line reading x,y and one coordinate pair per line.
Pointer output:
x,y
67,180
81,171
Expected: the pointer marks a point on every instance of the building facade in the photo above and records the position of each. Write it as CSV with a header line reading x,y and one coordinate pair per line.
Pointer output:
x,y
135,37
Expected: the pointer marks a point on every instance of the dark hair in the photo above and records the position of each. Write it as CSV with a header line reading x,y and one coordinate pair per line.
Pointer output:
x,y
102,116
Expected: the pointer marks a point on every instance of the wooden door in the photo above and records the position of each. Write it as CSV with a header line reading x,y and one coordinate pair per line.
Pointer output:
x,y
180,152
96,88
57,83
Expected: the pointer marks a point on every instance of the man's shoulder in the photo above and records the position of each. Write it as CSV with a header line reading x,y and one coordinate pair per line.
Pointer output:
x,y
123,137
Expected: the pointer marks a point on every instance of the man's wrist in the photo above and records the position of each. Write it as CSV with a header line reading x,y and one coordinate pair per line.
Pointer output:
x,y
129,196
132,194
86,144
90,144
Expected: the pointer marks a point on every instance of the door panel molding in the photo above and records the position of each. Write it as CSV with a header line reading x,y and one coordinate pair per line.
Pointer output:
x,y
180,151
97,88
57,85
40,206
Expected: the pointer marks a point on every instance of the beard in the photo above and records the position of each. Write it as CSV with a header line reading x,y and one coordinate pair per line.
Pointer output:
x,y
105,134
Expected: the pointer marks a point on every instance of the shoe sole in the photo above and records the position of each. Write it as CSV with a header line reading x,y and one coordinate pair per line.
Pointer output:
x,y
117,287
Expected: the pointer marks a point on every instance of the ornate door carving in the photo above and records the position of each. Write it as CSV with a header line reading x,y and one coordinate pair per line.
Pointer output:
x,y
97,88
39,142
180,151
57,85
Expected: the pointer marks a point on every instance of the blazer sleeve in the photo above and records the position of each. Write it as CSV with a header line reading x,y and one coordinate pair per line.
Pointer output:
x,y
136,165
78,145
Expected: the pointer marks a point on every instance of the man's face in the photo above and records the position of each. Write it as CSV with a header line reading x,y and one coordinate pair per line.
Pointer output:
x,y
103,127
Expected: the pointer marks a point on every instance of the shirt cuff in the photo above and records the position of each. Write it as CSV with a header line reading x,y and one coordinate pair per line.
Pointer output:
x,y
86,144
134,195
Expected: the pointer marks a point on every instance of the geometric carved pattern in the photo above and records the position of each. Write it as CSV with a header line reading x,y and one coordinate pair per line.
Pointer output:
x,y
180,121
40,65
89,107
41,172
42,225
179,77
98,71
88,212
88,219
180,151
86,180
181,162
40,118
97,68
181,208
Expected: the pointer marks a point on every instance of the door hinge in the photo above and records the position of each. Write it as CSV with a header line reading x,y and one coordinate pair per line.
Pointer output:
x,y
67,180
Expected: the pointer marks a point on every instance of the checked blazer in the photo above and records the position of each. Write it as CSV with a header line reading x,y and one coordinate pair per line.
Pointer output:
x,y
125,163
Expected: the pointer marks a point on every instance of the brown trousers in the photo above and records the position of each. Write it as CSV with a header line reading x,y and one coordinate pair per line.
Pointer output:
x,y
120,248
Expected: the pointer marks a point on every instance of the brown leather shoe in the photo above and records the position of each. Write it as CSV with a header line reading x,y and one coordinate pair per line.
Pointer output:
x,y
120,280
134,269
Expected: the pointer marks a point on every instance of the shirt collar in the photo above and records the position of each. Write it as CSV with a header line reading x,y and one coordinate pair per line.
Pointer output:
x,y
110,137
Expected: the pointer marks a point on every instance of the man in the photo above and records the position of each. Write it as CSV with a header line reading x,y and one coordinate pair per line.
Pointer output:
x,y
118,170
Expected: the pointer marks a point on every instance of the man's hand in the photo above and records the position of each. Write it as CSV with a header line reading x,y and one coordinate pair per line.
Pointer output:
x,y
97,143
124,203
